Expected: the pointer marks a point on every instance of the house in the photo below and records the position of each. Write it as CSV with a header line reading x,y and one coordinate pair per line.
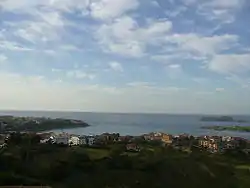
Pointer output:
x,y
124,138
91,140
45,137
204,143
103,139
83,140
148,137
212,144
167,139
62,139
44,141
182,140
74,140
226,138
133,147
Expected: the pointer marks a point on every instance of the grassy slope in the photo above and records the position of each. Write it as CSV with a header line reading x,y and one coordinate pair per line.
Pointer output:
x,y
88,167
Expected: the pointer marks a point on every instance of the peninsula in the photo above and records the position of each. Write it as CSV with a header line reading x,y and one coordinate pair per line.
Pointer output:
x,y
221,119
37,124
228,128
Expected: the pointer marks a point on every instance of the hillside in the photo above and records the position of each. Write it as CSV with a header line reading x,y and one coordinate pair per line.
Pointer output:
x,y
154,167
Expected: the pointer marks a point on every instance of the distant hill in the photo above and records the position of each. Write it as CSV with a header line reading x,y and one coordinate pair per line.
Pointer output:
x,y
38,124
221,119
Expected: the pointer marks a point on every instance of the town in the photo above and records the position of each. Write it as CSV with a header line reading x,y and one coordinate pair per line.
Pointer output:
x,y
64,160
184,142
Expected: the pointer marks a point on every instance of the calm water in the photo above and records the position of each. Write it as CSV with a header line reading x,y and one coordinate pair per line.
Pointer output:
x,y
135,124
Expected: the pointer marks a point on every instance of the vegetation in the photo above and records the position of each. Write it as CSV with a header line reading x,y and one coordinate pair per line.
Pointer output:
x,y
26,162
228,128
38,124
221,119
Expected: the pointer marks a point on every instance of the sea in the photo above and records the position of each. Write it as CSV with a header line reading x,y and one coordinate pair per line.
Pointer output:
x,y
137,124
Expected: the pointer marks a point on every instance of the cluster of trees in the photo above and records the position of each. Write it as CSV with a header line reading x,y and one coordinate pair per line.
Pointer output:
x,y
38,164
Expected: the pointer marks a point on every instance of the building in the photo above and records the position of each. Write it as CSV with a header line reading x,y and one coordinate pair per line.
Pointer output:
x,y
74,140
62,139
83,140
226,138
212,144
91,140
133,147
148,137
167,139
125,138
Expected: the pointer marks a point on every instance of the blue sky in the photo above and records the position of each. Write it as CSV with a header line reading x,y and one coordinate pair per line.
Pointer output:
x,y
168,56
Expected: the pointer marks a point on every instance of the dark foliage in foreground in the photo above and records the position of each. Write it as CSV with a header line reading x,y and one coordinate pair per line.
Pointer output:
x,y
29,163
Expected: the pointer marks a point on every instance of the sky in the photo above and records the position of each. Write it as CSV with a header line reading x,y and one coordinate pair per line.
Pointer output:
x,y
154,56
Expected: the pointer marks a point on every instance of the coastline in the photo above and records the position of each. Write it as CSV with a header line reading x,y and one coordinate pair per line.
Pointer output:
x,y
245,129
135,124
35,124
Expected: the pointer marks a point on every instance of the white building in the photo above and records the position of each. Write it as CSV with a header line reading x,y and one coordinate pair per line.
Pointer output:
x,y
74,140
91,140
62,139
226,138
83,140
46,140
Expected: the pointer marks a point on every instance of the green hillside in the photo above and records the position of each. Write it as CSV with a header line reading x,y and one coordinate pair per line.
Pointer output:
x,y
29,163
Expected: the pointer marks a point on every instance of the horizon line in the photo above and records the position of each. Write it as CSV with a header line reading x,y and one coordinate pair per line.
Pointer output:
x,y
111,112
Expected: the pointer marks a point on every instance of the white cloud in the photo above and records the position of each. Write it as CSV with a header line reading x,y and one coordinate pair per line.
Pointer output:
x,y
56,70
116,66
47,26
162,58
221,10
39,93
99,9
50,52
80,75
201,80
230,63
204,93
176,12
174,71
173,54
107,9
220,89
174,66
3,58
69,47
243,82
31,5
140,84
202,45
155,3
124,36
152,88
181,47
189,2
41,22
13,46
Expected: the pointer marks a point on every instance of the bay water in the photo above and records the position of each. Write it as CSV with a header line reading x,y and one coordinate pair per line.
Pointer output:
x,y
136,124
